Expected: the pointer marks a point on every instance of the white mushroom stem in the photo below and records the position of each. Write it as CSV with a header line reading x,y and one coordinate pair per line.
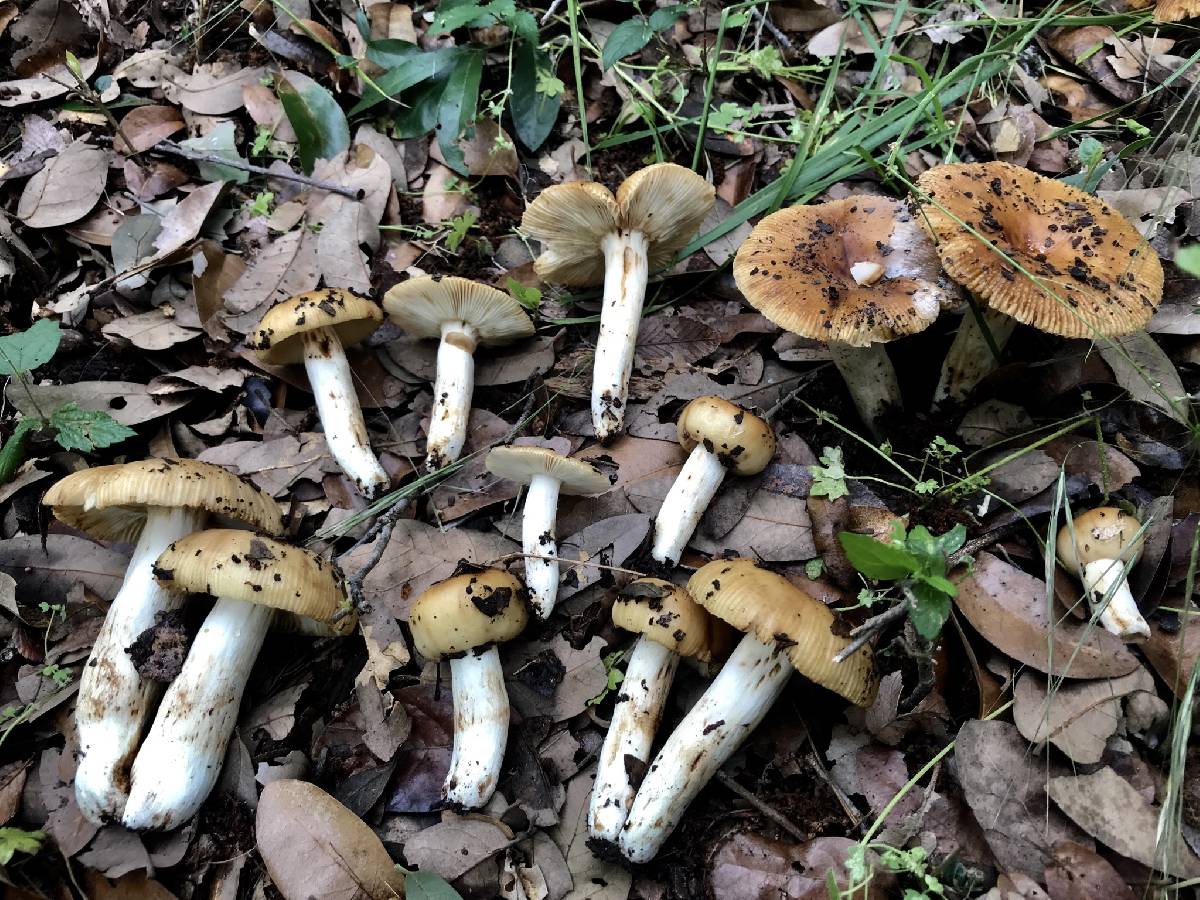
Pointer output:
x,y
114,701
971,359
480,728
340,414
626,750
695,486
733,706
537,541
871,378
626,270
452,392
1120,615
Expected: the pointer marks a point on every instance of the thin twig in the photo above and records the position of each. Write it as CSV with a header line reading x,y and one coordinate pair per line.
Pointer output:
x,y
868,629
766,809
551,11
381,531
172,149
784,40
853,813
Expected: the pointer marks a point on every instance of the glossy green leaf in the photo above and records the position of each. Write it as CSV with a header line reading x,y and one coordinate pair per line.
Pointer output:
x,y
534,111
457,109
930,612
882,562
320,125
422,114
28,349
407,66
1188,259
86,429
12,453
628,37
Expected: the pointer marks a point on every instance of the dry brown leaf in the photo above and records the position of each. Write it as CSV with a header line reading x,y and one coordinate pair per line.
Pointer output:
x,y
594,878
284,267
553,678
153,330
276,465
66,189
53,83
1173,654
748,866
456,844
214,89
127,402
346,224
267,112
487,151
438,201
12,783
145,126
48,575
116,851
276,715
1081,874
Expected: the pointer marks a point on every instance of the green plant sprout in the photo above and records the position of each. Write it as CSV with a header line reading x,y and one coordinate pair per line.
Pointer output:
x,y
615,676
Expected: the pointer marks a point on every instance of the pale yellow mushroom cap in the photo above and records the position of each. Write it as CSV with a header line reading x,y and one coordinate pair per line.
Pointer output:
x,y
742,441
476,609
422,305
1102,533
666,614
575,476
277,339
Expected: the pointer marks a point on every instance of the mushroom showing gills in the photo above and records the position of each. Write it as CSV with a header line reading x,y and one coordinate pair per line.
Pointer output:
x,y
548,474
462,314
315,328
149,503
786,631
718,435
590,237
252,577
1104,541
853,273
1037,251
464,618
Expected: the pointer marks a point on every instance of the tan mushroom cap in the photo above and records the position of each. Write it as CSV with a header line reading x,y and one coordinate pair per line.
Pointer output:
x,y
110,502
242,565
665,202
1105,275
774,610
742,441
422,305
858,271
1176,10
666,614
468,612
575,476
277,340
1102,533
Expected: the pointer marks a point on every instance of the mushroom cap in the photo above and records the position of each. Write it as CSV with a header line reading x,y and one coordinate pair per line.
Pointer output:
x,y
666,614
1105,532
774,610
801,267
277,339
476,609
422,305
110,502
576,476
742,441
1176,10
665,202
242,565
1107,276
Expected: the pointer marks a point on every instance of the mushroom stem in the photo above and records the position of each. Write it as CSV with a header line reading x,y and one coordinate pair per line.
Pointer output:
x,y
452,392
626,270
114,701
1120,615
537,541
970,358
339,411
694,488
480,728
626,751
733,706
182,755
871,378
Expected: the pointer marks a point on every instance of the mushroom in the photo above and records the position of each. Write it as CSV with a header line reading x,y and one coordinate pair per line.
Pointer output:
x,y
1037,251
315,328
718,435
670,625
852,273
786,631
463,618
1097,547
590,237
548,474
462,314
1176,10
251,576
149,503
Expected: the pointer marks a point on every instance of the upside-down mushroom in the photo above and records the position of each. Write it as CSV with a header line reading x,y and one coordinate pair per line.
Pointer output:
x,y
1096,547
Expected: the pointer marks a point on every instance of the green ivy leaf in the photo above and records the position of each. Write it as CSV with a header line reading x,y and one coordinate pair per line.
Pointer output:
x,y
534,111
28,349
320,125
86,429
458,106
428,886
930,612
18,840
883,562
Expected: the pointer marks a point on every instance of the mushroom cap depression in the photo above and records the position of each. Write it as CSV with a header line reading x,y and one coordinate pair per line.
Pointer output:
x,y
666,614
1105,275
858,271
277,340
422,305
1102,533
665,202
110,502
768,606
742,441
469,611
575,476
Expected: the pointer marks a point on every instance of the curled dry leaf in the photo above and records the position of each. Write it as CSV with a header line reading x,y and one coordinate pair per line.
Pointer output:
x,y
276,465
145,126
66,189
216,89
456,845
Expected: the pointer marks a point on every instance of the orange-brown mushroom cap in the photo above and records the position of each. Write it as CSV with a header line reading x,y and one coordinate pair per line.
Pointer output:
x,y
1102,533
666,614
1176,10
742,441
277,339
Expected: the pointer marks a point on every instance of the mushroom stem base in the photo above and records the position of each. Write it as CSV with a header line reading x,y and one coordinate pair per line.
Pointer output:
x,y
871,379
733,706
626,271
537,538
970,358
452,390
1121,615
480,728
695,486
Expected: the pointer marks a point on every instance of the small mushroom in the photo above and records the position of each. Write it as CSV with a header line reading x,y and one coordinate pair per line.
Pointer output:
x,y
149,503
853,273
252,577
786,631
590,237
314,329
718,436
1033,250
462,314
463,619
548,474
1097,547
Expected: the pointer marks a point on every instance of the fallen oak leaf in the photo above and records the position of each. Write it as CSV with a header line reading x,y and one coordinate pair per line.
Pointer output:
x,y
66,189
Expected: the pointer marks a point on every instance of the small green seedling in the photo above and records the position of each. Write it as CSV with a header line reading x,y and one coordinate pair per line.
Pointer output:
x,y
615,676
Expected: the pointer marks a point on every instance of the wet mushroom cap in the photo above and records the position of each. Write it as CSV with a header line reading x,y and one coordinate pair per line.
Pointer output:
x,y
575,476
1102,533
1104,273
741,440
468,612
109,502
277,339
422,305
775,611
857,271
666,614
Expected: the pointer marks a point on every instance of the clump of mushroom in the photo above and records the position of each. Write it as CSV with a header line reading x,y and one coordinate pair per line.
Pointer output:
x,y
590,237
1099,547
150,503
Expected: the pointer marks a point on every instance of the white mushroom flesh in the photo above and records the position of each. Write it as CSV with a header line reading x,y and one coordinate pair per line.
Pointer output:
x,y
1120,615
452,392
626,270
537,541
970,358
866,272
870,378
694,488
480,728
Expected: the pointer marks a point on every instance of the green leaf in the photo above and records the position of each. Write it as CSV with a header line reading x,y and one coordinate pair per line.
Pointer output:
x,y
12,454
18,840
941,583
457,109
28,349
428,886
829,478
930,612
221,141
953,539
422,115
662,19
452,14
534,111
882,562
528,297
926,548
407,66
319,123
628,37
1188,259
85,429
